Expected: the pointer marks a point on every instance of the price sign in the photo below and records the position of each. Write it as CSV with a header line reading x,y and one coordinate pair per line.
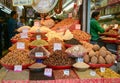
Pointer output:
x,y
22,2
24,35
70,15
67,72
20,45
79,59
78,26
38,37
39,54
18,68
57,46
92,73
48,72
102,69
25,30
37,23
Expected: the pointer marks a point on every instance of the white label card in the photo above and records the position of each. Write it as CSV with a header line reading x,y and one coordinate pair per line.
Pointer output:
x,y
24,35
70,15
92,73
39,54
79,59
102,69
57,46
18,68
48,72
67,72
25,30
78,26
20,45
37,23
38,37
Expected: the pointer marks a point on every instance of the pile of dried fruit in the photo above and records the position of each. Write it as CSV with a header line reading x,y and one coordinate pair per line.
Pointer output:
x,y
81,35
99,56
108,73
72,41
17,57
59,58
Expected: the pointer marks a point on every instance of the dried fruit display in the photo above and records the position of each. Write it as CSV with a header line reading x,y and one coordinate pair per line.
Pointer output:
x,y
39,43
99,55
17,57
76,51
59,74
53,41
108,73
72,41
114,32
81,35
59,58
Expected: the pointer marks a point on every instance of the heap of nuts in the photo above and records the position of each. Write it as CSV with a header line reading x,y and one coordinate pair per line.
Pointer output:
x,y
17,57
59,58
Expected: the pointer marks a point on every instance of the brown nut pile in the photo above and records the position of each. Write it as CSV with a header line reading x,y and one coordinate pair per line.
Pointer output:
x,y
55,40
59,58
99,56
59,74
17,57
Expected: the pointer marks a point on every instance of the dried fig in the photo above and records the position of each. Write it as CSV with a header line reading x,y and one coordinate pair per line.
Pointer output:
x,y
101,60
94,60
102,53
109,59
92,53
86,58
96,47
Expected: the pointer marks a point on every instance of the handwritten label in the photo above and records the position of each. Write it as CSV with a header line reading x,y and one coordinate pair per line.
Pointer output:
x,y
38,37
70,15
37,23
78,26
25,30
39,54
20,45
57,46
67,72
24,35
18,68
22,2
102,69
48,72
92,73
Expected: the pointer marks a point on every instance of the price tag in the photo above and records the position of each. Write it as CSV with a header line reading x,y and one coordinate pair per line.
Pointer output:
x,y
102,69
48,72
78,26
24,35
20,45
25,30
115,61
37,23
92,73
70,15
67,72
38,37
79,59
18,68
39,54
57,46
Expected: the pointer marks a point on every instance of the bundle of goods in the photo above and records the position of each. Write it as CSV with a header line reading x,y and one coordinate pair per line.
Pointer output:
x,y
59,58
65,24
39,43
43,52
53,41
76,51
108,73
99,56
81,35
26,43
17,57
23,27
59,74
